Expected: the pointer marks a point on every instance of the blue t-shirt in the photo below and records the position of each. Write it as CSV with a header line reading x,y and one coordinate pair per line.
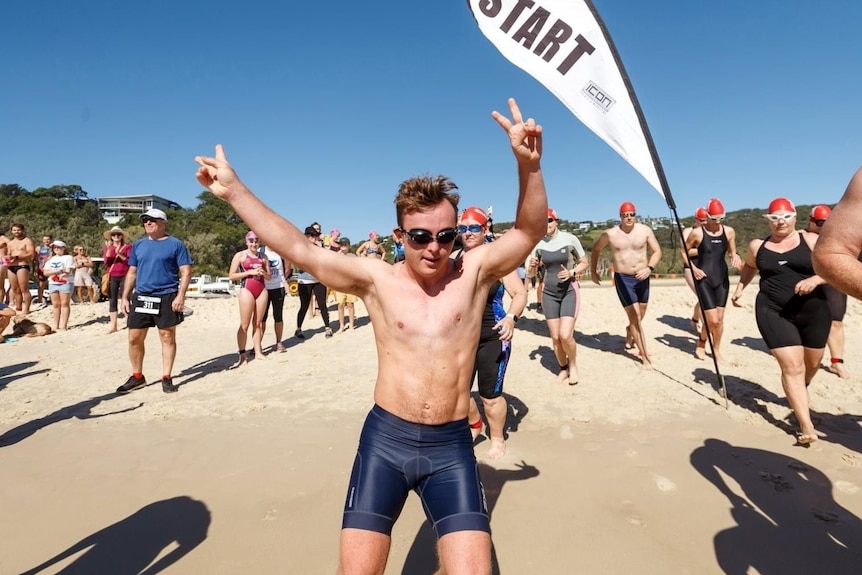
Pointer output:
x,y
158,265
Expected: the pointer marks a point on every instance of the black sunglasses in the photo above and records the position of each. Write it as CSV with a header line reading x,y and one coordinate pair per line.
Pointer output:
x,y
424,237
818,222
148,219
551,220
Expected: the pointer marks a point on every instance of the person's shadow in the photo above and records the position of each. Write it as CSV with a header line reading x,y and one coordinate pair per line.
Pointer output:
x,y
786,518
422,556
130,545
80,410
6,372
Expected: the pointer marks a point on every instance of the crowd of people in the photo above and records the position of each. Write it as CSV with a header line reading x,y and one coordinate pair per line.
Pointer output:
x,y
446,317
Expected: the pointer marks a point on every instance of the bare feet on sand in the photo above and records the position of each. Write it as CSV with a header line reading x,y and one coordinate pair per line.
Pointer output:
x,y
497,449
573,374
838,369
806,439
700,349
563,376
242,359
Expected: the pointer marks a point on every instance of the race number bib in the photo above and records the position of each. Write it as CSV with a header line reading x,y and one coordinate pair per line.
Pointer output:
x,y
147,304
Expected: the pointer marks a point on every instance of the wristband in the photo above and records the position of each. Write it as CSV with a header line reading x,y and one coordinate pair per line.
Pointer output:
x,y
651,268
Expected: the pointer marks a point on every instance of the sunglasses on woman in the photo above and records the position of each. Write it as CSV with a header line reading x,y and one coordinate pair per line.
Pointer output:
x,y
472,228
780,217
424,237
818,223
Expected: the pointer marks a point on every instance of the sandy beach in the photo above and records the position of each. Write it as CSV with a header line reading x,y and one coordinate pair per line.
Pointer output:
x,y
245,470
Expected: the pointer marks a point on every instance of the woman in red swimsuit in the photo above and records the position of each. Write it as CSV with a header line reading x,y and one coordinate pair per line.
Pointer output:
x,y
251,270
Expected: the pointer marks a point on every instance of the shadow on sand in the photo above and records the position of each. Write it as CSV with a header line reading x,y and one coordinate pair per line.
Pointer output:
x,y
81,410
842,429
786,518
422,557
6,373
130,546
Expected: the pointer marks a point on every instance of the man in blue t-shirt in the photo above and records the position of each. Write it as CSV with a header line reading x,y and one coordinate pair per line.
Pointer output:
x,y
160,269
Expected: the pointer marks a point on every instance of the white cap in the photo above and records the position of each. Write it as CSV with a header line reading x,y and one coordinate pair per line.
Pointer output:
x,y
155,214
58,243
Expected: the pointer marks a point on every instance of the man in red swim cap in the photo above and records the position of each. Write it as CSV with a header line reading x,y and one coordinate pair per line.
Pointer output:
x,y
712,242
632,268
837,302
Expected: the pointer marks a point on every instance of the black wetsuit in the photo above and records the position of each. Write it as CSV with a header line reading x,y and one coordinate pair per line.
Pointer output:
x,y
715,287
785,318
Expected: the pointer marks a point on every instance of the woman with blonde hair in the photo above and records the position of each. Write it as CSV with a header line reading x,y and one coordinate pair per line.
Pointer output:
x,y
83,275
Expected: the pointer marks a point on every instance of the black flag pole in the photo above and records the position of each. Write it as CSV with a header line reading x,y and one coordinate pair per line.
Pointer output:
x,y
665,188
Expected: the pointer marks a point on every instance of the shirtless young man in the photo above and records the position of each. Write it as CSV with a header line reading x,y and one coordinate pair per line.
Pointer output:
x,y
629,242
427,314
712,241
20,258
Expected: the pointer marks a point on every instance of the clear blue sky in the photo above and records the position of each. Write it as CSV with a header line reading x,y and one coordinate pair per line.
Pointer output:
x,y
325,107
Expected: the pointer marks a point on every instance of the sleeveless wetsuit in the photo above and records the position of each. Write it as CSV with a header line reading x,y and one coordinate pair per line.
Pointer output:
x,y
715,287
559,298
396,456
492,355
785,318
254,284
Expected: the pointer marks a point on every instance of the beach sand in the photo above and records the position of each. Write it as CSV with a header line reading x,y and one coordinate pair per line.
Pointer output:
x,y
245,470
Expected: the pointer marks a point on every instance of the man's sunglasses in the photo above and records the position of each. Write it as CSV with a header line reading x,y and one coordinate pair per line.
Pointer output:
x,y
148,220
780,217
472,228
628,214
817,222
424,237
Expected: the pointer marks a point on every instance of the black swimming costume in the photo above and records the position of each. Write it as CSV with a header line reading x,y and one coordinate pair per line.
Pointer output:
x,y
715,287
783,317
437,461
492,356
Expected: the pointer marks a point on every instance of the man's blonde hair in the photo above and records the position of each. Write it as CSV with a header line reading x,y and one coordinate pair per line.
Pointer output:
x,y
424,193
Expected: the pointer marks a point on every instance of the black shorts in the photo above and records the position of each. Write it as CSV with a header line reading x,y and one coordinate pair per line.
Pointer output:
x,y
153,311
276,302
436,461
806,323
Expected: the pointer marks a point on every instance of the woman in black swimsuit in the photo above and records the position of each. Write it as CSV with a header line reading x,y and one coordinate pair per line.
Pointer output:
x,y
791,310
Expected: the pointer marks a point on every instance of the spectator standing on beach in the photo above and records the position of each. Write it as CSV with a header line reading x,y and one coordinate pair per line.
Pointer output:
x,y
565,260
791,310
836,255
632,269
83,275
836,300
250,267
700,218
60,271
345,301
160,269
495,337
372,248
4,261
426,314
43,252
713,242
275,292
20,257
309,287
115,256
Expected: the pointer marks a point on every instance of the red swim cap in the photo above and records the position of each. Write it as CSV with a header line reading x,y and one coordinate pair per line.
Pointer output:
x,y
780,205
626,207
552,213
715,207
475,213
820,212
700,214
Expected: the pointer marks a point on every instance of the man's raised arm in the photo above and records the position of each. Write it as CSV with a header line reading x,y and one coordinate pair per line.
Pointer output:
x,y
837,251
339,273
508,252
